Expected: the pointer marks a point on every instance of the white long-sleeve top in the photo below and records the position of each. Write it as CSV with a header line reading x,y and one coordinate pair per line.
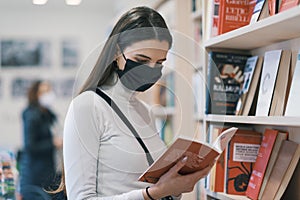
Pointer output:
x,y
102,158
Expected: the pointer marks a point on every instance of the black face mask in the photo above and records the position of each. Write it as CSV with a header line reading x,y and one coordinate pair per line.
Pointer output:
x,y
139,77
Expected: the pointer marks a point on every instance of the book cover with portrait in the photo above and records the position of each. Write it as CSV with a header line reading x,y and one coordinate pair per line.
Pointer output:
x,y
224,82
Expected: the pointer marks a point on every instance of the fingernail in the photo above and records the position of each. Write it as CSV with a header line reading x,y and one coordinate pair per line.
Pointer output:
x,y
184,159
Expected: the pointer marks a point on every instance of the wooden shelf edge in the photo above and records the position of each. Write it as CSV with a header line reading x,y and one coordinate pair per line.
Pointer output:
x,y
224,196
270,120
283,23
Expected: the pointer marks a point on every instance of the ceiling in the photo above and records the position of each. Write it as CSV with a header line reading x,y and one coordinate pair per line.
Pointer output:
x,y
105,6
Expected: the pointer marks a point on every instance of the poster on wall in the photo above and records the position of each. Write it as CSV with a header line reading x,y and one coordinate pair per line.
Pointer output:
x,y
70,53
25,53
63,88
20,86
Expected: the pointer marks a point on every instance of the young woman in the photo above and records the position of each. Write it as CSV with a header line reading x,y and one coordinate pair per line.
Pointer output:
x,y
37,168
102,157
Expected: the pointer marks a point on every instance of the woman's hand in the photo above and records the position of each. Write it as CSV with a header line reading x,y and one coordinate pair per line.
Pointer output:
x,y
172,183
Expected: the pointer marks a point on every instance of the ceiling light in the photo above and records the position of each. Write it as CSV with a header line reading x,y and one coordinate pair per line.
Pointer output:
x,y
39,2
73,2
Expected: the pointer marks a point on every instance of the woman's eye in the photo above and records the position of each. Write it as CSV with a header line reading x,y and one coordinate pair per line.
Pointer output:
x,y
142,61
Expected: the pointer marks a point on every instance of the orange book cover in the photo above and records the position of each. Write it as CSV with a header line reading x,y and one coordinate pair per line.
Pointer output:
x,y
273,6
200,155
287,4
234,14
261,164
241,156
219,176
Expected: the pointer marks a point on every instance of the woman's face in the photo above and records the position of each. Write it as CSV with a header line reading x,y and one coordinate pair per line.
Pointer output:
x,y
44,87
149,52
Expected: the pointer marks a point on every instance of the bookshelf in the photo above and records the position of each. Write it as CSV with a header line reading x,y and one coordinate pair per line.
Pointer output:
x,y
274,29
184,20
275,32
259,120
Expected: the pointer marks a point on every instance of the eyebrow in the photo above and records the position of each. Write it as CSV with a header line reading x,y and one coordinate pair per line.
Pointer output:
x,y
147,57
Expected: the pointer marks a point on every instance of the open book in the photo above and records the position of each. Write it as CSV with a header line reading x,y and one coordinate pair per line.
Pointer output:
x,y
200,155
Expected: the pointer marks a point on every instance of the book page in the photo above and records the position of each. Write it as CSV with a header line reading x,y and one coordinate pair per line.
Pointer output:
x,y
200,155
222,140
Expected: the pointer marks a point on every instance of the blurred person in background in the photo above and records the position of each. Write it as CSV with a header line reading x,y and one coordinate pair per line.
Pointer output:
x,y
37,164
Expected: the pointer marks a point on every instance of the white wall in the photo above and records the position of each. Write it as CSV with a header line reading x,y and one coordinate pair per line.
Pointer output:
x,y
88,23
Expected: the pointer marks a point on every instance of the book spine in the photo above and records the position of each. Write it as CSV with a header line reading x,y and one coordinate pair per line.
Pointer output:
x,y
261,163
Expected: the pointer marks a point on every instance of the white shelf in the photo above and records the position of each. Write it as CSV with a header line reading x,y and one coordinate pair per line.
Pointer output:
x,y
271,120
197,15
198,117
223,196
277,28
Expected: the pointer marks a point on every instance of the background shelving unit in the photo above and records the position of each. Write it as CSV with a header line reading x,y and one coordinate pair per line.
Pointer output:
x,y
184,20
275,32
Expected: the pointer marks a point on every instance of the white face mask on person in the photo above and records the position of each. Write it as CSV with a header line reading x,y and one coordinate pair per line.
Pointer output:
x,y
47,99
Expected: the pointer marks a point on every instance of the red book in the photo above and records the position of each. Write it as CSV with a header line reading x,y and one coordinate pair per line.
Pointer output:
x,y
273,7
215,18
261,164
219,171
234,14
241,155
220,174
287,4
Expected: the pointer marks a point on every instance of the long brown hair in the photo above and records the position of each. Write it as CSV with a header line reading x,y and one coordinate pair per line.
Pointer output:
x,y
138,24
32,94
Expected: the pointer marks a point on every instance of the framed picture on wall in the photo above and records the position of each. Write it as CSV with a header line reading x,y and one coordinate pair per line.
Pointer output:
x,y
70,53
25,53
63,88
20,86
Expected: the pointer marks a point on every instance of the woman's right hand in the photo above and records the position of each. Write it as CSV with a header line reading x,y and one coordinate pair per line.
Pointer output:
x,y
172,183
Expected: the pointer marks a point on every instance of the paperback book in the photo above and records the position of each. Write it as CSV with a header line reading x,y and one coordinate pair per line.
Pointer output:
x,y
199,155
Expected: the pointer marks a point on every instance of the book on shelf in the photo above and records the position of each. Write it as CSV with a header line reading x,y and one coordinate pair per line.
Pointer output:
x,y
198,92
279,139
266,157
199,155
234,14
287,4
273,60
292,107
224,81
278,103
260,11
284,166
165,128
293,185
196,5
217,173
252,73
273,7
163,91
288,174
240,157
215,18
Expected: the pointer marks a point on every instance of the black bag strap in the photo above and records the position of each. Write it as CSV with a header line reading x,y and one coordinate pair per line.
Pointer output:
x,y
114,106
